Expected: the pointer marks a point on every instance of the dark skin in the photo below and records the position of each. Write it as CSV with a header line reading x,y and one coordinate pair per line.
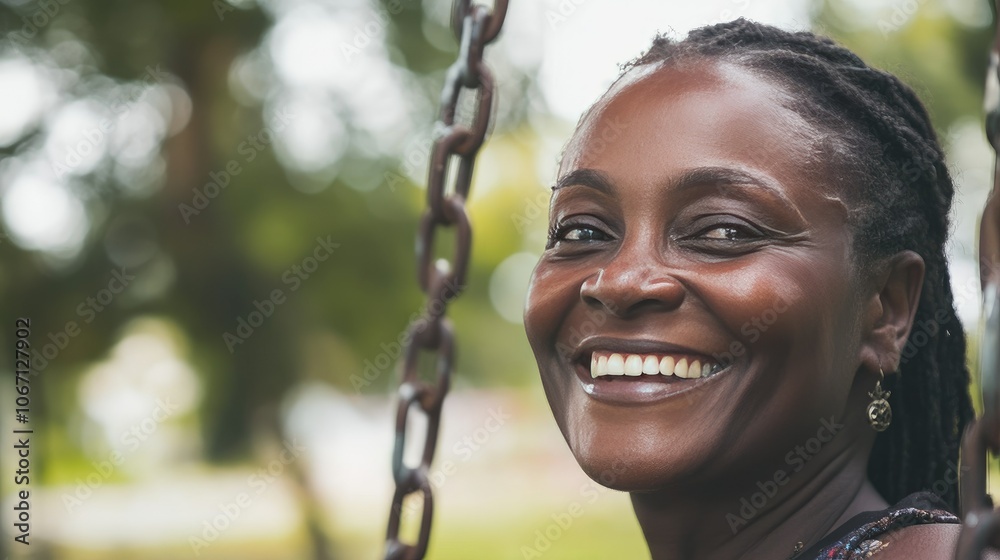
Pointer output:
x,y
707,211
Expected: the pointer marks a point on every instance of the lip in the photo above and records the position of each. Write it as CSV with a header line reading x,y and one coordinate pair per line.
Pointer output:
x,y
630,391
640,390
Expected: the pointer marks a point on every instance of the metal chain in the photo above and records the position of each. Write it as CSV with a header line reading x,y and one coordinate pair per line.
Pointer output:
x,y
441,280
980,522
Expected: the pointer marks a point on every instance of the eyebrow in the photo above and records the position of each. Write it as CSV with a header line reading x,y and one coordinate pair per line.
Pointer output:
x,y
698,177
586,178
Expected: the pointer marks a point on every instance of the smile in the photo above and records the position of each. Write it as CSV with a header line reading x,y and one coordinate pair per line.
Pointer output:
x,y
635,371
604,363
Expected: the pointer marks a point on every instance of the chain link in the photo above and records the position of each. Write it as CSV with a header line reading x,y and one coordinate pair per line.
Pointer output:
x,y
980,522
442,280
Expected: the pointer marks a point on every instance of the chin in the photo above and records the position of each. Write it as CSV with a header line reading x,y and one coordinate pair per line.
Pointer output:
x,y
628,454
630,472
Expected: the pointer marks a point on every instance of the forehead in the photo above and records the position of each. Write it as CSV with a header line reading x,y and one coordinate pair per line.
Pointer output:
x,y
660,120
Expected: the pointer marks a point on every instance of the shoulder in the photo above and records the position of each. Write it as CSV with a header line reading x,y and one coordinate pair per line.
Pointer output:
x,y
936,541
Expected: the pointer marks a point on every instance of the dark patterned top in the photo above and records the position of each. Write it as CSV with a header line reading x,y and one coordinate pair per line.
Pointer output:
x,y
859,536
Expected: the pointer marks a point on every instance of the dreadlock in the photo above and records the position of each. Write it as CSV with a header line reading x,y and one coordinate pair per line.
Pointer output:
x,y
890,164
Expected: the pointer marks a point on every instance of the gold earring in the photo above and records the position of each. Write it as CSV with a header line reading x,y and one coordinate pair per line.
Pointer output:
x,y
879,411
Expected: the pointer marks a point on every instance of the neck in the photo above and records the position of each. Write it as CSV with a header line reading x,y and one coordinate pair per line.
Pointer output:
x,y
686,525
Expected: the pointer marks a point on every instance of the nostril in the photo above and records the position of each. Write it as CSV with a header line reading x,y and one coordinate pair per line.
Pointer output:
x,y
592,288
625,294
599,299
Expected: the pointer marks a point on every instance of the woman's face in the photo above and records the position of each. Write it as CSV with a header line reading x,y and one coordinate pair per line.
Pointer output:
x,y
692,221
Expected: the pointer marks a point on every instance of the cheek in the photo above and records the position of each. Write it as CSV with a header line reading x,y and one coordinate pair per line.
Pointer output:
x,y
549,299
534,305
789,321
778,305
552,292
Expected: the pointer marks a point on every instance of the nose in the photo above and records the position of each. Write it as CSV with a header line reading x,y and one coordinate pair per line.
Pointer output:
x,y
630,284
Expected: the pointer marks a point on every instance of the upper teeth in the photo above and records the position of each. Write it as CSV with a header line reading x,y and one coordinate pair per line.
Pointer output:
x,y
607,363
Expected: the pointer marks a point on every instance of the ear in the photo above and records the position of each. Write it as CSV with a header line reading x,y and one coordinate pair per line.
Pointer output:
x,y
888,313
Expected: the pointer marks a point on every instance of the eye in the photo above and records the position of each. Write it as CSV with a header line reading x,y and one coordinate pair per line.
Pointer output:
x,y
582,233
576,233
729,232
731,236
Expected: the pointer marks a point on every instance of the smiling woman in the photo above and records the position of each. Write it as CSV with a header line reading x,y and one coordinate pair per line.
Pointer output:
x,y
722,312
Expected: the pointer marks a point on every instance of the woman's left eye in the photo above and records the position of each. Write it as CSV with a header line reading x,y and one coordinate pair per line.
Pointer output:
x,y
726,236
729,232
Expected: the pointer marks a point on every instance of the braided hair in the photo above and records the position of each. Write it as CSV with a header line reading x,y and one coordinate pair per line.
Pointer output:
x,y
883,148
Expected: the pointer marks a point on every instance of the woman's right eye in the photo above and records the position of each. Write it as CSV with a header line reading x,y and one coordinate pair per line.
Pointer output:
x,y
582,233
576,233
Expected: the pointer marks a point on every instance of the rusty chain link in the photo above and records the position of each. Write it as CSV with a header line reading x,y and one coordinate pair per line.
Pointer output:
x,y
980,522
441,280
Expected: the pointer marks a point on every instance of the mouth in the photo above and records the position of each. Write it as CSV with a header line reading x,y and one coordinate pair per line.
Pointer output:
x,y
630,372
615,364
